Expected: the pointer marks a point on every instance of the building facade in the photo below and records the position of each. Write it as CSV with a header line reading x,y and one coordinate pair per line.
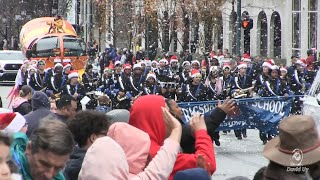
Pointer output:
x,y
281,28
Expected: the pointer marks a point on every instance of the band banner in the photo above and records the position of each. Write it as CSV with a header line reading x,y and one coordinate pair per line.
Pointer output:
x,y
261,113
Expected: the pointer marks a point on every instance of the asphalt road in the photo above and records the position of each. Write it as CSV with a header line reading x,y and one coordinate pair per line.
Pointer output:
x,y
234,157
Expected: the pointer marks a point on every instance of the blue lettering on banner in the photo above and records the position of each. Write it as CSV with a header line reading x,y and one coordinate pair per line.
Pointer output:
x,y
261,113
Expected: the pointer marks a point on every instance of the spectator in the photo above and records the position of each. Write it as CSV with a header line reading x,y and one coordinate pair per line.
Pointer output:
x,y
86,127
147,117
118,115
298,136
5,171
12,122
46,153
21,104
191,174
67,107
113,162
40,109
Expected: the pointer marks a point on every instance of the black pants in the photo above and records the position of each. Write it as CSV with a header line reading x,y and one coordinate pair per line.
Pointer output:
x,y
264,136
240,132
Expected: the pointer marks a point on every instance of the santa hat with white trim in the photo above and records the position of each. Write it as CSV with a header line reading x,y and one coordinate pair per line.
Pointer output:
x,y
153,75
66,60
185,63
136,66
57,65
66,66
271,61
283,69
127,66
195,61
164,61
267,64
56,60
73,74
302,62
173,59
274,67
117,63
11,122
226,65
195,73
154,61
242,65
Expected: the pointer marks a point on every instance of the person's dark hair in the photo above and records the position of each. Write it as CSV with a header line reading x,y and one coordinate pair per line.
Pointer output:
x,y
259,173
89,66
65,101
25,90
53,136
168,103
86,123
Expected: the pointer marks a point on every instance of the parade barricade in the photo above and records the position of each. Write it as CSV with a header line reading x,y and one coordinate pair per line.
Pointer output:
x,y
261,113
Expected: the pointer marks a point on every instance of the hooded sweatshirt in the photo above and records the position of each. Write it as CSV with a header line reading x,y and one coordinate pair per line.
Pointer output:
x,y
40,109
148,117
21,105
101,163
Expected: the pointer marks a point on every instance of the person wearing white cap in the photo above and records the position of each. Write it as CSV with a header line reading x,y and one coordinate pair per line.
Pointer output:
x,y
242,81
163,73
151,86
54,80
284,74
137,79
73,87
195,64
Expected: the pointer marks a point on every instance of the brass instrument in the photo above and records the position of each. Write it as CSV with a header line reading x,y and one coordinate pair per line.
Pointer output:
x,y
56,96
141,92
239,93
119,98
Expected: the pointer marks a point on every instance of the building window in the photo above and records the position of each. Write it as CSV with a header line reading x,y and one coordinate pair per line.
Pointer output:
x,y
312,23
296,27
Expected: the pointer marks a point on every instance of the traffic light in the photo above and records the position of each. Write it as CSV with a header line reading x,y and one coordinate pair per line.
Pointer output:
x,y
247,23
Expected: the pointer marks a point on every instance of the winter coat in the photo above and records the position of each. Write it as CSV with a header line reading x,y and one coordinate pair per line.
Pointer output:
x,y
278,172
22,106
40,109
73,166
111,162
137,151
148,117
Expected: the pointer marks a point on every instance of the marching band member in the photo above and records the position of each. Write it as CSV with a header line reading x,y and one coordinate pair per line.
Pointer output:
x,y
242,81
185,75
260,80
90,79
227,80
284,74
54,80
195,64
73,87
163,73
273,86
300,81
137,79
106,81
30,74
150,86
37,79
214,83
195,90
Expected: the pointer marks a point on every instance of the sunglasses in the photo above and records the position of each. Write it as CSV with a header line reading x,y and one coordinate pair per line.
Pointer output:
x,y
41,64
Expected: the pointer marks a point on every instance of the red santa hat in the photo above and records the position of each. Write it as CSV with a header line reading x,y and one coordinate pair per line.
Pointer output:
x,y
154,61
173,59
136,66
66,66
164,61
283,69
195,61
153,75
242,65
73,74
246,55
11,122
302,62
34,61
195,73
57,60
267,64
32,67
271,61
26,61
66,60
127,66
226,65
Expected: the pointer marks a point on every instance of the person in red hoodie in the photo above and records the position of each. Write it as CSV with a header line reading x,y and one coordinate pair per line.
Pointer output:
x,y
145,114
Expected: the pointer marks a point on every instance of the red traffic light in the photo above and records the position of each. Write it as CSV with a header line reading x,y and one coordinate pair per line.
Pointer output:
x,y
247,23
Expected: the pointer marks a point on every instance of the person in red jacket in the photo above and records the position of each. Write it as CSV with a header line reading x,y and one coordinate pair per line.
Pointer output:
x,y
145,114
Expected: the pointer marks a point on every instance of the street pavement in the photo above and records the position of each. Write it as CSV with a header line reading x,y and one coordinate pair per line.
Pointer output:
x,y
234,157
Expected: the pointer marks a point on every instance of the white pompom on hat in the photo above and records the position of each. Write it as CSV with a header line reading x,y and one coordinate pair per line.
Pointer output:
x,y
185,63
11,122
283,69
58,64
267,64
